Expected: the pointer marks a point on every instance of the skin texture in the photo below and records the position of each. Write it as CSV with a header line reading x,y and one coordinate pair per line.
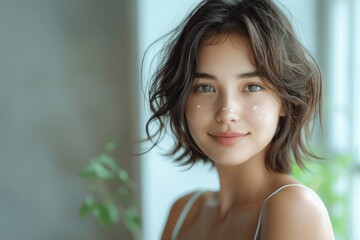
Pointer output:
x,y
232,116
232,98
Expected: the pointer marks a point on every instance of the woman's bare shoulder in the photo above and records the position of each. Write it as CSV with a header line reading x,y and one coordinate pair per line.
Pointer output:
x,y
174,214
295,213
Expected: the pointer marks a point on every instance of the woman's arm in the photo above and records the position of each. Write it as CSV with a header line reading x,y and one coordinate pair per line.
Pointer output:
x,y
297,214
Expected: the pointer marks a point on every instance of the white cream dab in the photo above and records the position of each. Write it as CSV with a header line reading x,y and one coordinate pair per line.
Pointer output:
x,y
261,114
198,106
254,107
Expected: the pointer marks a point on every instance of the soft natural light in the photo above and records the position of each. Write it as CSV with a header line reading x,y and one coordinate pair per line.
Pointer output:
x,y
338,77
162,181
355,60
160,175
355,64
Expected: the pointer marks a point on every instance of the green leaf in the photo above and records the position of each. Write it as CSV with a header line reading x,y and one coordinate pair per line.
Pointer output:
x,y
131,219
101,171
111,145
86,207
97,168
109,161
107,213
123,175
316,182
88,171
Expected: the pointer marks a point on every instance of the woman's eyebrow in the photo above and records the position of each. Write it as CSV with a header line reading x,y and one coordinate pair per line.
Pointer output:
x,y
249,74
205,76
239,76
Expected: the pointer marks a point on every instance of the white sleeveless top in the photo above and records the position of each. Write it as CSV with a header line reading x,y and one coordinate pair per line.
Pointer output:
x,y
197,194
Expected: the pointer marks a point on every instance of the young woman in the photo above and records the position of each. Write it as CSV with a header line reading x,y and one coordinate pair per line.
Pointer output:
x,y
240,92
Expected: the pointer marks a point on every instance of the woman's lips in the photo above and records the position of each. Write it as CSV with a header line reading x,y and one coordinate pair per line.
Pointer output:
x,y
228,138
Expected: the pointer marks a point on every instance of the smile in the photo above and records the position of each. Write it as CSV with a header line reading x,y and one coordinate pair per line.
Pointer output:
x,y
228,138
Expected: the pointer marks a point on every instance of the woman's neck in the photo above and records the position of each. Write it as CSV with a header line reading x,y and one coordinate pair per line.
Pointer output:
x,y
247,184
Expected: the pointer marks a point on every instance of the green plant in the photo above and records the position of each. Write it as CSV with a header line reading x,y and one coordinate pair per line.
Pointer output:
x,y
330,180
111,198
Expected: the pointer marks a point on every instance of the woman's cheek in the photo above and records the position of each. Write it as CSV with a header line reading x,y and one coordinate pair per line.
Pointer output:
x,y
198,105
264,111
197,109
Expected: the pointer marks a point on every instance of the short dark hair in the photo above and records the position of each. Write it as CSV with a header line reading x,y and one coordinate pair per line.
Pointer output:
x,y
280,58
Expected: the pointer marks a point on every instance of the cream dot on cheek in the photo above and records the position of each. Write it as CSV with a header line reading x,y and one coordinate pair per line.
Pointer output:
x,y
201,107
261,115
255,107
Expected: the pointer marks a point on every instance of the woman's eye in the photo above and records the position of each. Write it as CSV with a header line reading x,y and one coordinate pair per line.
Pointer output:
x,y
204,88
253,88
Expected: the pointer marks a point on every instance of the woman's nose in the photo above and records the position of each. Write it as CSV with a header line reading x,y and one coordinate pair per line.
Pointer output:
x,y
227,115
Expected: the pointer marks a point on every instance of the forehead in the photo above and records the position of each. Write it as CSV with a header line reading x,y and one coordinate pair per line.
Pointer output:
x,y
231,51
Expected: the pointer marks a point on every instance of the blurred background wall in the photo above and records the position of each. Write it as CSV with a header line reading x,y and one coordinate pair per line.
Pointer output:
x,y
68,74
70,81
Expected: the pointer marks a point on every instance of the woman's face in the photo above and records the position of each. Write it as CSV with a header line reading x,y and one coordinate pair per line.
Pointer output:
x,y
231,114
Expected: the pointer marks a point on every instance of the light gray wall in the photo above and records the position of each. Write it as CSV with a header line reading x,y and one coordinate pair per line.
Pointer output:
x,y
68,75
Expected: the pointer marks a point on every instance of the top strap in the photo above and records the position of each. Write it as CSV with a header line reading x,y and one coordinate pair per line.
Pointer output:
x,y
272,194
184,213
